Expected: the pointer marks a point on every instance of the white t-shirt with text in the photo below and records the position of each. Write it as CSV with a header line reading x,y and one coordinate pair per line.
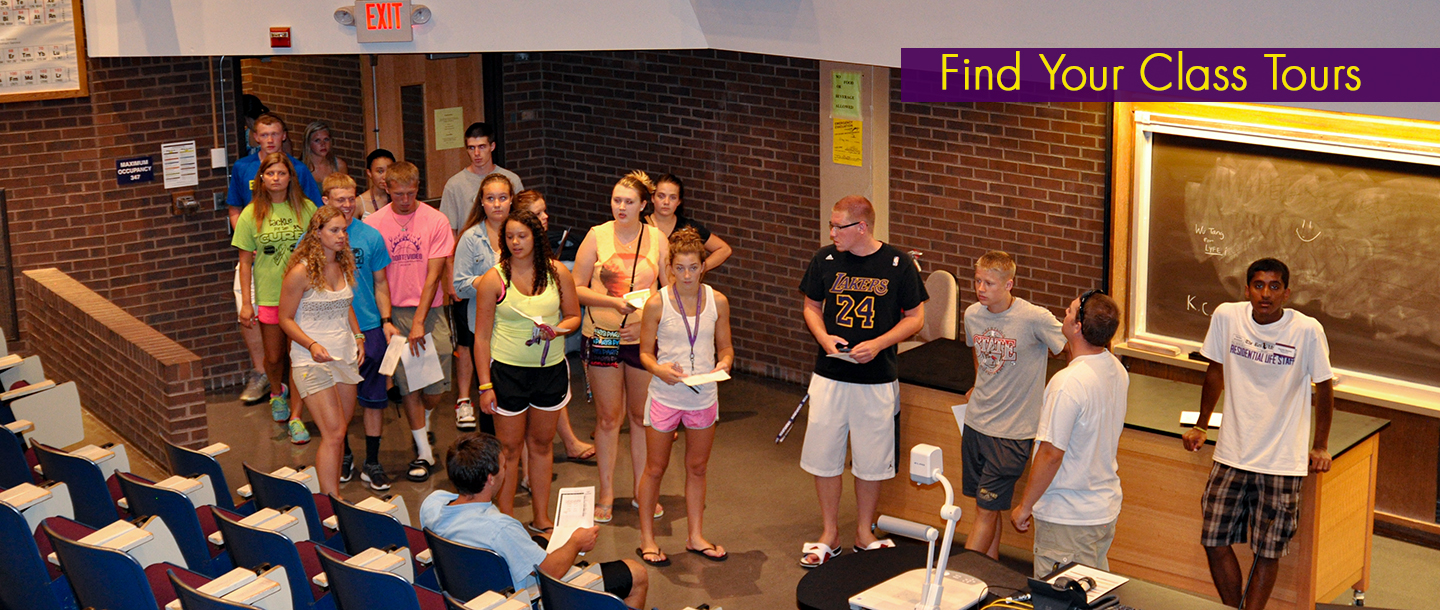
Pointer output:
x,y
1268,372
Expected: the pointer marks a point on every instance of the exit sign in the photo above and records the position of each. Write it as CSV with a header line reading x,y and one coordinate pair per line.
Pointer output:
x,y
383,21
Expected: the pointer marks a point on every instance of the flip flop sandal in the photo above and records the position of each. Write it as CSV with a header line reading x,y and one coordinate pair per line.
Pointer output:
x,y
818,549
609,513
659,510
703,553
659,563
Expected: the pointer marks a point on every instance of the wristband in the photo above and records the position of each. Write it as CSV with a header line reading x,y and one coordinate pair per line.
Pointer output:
x,y
1200,428
487,386
387,320
360,336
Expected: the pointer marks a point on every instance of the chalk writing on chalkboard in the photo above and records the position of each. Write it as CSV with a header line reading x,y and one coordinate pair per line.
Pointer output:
x,y
1361,237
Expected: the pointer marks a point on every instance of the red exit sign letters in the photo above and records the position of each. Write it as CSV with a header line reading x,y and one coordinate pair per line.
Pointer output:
x,y
383,21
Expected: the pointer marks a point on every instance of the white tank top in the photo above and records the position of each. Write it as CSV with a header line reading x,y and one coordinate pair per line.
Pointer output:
x,y
324,315
672,344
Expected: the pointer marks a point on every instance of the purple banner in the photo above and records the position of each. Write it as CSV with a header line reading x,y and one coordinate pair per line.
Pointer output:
x,y
1218,75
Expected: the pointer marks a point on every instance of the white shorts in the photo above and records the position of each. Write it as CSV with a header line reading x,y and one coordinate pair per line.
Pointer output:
x,y
312,378
865,413
236,289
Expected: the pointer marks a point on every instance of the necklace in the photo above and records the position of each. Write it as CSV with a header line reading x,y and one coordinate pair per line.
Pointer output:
x,y
689,334
406,226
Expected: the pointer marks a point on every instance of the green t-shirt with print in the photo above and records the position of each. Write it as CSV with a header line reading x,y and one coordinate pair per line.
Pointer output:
x,y
272,242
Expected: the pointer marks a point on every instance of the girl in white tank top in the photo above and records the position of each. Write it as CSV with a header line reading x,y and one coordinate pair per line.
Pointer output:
x,y
326,344
685,331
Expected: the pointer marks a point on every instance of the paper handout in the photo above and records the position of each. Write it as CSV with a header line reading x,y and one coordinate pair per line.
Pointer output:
x,y
574,509
420,371
704,378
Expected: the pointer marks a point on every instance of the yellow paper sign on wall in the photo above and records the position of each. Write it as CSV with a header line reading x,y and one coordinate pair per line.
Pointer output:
x,y
848,148
449,128
845,96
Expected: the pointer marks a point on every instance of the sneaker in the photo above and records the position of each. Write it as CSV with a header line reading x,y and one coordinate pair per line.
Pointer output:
x,y
374,476
280,407
347,467
255,389
419,470
464,414
298,434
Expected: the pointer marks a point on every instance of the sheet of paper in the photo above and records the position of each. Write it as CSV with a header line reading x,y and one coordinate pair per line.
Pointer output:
x,y
704,378
398,345
959,411
449,128
422,370
1105,582
843,356
637,298
181,166
539,321
574,509
848,143
1188,418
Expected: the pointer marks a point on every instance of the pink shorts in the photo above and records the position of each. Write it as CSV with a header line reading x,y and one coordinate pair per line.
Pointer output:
x,y
667,419
269,314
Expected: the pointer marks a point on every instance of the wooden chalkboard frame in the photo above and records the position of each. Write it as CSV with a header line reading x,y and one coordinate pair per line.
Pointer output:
x,y
83,85
1370,136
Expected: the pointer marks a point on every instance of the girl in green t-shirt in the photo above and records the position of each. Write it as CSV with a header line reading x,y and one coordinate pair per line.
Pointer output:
x,y
266,233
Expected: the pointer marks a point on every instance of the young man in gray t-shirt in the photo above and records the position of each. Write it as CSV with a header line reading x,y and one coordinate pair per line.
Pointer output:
x,y
1012,339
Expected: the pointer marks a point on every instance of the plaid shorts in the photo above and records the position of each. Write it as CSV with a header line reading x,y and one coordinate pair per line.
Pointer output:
x,y
1268,504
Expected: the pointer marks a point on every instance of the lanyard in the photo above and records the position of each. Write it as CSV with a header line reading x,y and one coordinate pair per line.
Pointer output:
x,y
689,334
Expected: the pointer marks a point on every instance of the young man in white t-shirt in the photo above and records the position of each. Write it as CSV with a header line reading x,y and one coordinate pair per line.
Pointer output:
x,y
1074,489
1012,339
1264,358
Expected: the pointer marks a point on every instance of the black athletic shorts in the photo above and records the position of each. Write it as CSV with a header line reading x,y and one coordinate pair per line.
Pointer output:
x,y
518,388
991,466
616,577
460,321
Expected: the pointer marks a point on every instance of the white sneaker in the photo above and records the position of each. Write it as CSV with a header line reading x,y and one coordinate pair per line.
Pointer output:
x,y
257,389
464,414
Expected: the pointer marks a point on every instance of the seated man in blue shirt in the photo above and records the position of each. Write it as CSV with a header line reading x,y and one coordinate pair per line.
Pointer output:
x,y
477,468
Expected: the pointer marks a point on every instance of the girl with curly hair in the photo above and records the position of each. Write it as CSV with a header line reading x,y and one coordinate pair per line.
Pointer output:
x,y
524,306
326,343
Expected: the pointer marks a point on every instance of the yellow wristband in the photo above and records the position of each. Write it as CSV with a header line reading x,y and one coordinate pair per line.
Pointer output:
x,y
1207,432
486,386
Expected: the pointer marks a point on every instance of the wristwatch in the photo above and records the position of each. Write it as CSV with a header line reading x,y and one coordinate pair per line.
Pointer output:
x,y
387,321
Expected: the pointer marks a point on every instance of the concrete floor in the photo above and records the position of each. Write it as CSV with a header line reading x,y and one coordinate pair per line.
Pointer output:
x,y
762,506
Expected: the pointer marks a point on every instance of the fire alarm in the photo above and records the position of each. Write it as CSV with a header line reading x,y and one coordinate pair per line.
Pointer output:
x,y
280,38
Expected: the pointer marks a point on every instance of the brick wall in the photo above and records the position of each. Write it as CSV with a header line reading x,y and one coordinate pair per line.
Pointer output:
x,y
305,88
740,129
57,163
1028,179
147,387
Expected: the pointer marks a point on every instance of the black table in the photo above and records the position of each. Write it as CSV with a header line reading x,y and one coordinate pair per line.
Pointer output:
x,y
830,586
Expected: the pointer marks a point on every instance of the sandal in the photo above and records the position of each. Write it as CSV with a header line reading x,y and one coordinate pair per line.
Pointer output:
x,y
659,510
883,543
820,550
543,531
705,552
607,509
585,456
645,556
419,470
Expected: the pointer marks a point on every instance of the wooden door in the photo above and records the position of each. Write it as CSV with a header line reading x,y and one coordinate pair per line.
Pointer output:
x,y
408,89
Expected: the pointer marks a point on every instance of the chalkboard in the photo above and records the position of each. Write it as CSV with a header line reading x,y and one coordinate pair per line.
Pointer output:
x,y
1361,236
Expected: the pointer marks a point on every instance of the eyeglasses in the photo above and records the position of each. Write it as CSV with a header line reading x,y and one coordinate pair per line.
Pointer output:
x,y
1080,313
835,227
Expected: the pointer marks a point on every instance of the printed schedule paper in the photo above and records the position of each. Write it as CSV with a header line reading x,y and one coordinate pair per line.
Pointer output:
x,y
574,509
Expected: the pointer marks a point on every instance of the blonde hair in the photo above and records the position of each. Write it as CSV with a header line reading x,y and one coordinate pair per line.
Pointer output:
x,y
310,252
403,172
294,196
640,182
312,161
998,261
336,180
